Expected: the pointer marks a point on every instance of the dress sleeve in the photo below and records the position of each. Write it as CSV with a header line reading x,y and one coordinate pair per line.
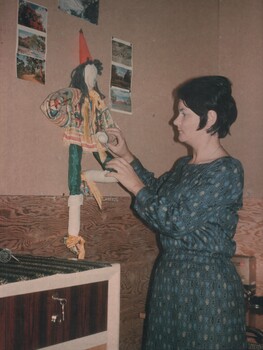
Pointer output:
x,y
148,177
212,200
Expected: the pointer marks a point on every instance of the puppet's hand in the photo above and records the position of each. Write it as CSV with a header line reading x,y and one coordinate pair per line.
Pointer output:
x,y
117,145
102,137
125,174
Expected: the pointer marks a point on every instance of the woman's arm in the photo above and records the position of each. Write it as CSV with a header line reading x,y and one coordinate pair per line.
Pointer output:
x,y
119,149
213,201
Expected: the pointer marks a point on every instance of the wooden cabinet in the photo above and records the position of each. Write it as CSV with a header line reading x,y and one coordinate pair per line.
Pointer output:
x,y
77,311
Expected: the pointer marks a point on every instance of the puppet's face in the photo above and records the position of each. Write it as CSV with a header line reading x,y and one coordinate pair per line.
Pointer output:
x,y
90,75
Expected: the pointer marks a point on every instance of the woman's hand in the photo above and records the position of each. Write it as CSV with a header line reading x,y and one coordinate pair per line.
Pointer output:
x,y
125,174
117,145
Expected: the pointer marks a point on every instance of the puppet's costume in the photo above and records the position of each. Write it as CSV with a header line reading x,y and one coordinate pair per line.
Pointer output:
x,y
80,110
81,123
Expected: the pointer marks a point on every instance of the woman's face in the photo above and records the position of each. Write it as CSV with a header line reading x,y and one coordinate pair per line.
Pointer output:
x,y
187,123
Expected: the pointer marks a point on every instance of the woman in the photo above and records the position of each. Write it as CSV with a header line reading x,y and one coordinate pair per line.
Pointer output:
x,y
196,296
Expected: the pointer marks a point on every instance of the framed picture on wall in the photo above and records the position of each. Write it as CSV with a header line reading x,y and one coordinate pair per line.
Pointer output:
x,y
85,9
121,76
31,42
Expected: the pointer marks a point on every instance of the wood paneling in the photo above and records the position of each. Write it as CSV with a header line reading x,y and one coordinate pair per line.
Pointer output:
x,y
249,236
37,224
100,347
28,316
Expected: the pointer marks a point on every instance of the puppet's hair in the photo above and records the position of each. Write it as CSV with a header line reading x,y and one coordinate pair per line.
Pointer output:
x,y
78,79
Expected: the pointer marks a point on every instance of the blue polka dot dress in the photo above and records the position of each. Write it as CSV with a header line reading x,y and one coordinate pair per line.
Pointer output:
x,y
196,299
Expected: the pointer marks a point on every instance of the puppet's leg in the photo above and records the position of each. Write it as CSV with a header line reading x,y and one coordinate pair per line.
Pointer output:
x,y
91,177
103,164
97,176
73,241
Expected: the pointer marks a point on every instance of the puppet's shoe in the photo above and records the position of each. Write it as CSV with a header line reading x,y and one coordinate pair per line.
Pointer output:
x,y
81,249
68,241
76,245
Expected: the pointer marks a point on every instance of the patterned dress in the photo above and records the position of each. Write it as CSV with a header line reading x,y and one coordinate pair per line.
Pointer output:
x,y
195,297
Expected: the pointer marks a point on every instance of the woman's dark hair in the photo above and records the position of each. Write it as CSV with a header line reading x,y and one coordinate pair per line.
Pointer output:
x,y
210,93
78,79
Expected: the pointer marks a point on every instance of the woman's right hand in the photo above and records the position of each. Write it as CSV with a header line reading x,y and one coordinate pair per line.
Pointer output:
x,y
117,145
124,173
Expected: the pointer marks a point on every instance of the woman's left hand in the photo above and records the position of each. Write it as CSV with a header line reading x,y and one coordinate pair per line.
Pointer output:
x,y
125,174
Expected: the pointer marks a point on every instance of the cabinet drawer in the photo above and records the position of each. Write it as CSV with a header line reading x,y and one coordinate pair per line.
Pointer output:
x,y
28,317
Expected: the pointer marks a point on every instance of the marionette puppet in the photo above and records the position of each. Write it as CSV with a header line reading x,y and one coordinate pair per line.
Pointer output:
x,y
81,111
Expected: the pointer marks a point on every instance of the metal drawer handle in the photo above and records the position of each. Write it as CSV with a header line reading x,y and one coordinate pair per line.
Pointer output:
x,y
62,302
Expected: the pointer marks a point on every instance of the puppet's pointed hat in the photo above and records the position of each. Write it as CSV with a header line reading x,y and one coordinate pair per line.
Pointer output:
x,y
84,53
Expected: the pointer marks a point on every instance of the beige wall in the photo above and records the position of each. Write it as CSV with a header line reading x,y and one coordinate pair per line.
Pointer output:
x,y
172,41
241,58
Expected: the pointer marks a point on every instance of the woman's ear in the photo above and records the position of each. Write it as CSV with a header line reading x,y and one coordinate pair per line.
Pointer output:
x,y
211,118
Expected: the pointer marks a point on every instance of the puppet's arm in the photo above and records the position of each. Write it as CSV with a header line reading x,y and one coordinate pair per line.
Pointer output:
x,y
59,106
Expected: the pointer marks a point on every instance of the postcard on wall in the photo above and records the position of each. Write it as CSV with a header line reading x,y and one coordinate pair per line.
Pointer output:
x,y
85,9
121,76
31,42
